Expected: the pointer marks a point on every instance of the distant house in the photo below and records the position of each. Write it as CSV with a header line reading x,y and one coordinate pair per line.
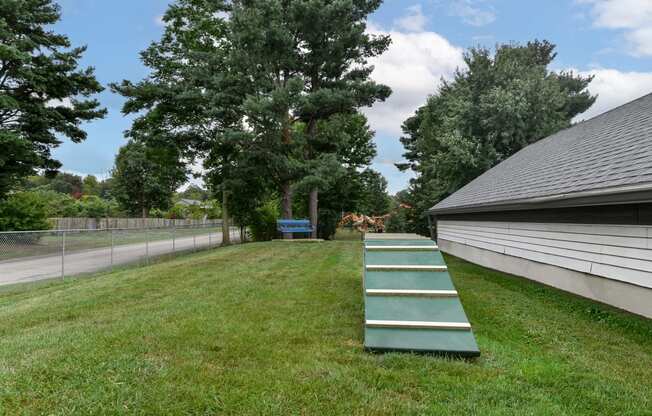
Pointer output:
x,y
573,211
190,202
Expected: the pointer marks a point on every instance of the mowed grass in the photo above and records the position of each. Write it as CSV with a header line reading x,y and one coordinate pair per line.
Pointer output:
x,y
276,328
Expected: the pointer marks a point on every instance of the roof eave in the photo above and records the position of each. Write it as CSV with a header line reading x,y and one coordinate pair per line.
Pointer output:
x,y
629,194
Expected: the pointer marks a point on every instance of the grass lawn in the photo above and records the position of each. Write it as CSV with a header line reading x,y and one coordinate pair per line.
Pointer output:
x,y
276,328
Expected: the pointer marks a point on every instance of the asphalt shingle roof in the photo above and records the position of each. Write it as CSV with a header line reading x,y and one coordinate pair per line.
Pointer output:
x,y
610,150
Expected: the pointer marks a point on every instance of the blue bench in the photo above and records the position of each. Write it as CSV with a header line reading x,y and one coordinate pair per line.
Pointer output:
x,y
294,226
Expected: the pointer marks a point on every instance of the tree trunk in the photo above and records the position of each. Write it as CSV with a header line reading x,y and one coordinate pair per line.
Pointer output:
x,y
226,236
314,210
313,202
286,206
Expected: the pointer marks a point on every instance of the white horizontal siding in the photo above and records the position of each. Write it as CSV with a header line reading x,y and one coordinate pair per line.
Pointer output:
x,y
617,252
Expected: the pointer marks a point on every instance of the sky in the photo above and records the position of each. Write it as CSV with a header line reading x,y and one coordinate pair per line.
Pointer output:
x,y
610,39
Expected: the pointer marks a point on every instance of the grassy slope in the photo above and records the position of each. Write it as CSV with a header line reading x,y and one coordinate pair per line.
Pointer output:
x,y
276,328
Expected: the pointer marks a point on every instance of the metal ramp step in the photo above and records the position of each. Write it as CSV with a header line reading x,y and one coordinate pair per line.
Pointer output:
x,y
412,292
402,248
410,301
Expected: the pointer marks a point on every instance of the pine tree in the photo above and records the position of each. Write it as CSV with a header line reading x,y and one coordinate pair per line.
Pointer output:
x,y
192,99
43,93
309,58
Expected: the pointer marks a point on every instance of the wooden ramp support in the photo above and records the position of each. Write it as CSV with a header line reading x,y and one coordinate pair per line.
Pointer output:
x,y
410,301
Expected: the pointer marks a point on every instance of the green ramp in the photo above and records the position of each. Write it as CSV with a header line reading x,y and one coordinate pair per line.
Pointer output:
x,y
410,301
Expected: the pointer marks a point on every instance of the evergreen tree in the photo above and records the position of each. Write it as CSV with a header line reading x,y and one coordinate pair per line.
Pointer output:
x,y
309,58
245,85
265,51
498,105
374,199
333,63
346,145
192,98
43,93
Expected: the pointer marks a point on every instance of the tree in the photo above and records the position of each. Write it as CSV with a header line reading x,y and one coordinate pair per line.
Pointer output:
x,y
195,192
346,146
374,199
488,112
245,95
145,178
90,186
61,182
264,50
43,93
24,211
333,53
309,62
398,221
92,206
58,204
192,98
67,183
106,188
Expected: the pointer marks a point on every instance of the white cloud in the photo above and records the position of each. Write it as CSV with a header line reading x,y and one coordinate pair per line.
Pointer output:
x,y
634,17
414,21
413,67
223,15
158,20
471,14
641,40
101,176
615,88
618,14
66,102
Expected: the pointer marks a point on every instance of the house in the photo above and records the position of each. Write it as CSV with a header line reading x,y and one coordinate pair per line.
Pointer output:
x,y
573,211
190,202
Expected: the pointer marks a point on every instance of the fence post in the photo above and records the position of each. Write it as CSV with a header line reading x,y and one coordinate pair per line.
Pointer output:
x,y
63,255
112,239
146,245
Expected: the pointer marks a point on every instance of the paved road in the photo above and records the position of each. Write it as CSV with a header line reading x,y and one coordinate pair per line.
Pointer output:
x,y
29,269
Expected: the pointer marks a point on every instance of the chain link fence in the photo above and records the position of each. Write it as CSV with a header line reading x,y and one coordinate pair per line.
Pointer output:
x,y
36,255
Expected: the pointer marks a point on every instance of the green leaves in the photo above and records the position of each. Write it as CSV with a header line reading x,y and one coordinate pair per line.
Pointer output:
x,y
499,105
43,93
146,177
24,211
247,87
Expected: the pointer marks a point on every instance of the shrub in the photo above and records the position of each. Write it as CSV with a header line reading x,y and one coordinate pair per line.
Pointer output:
x,y
92,206
156,213
263,224
176,212
194,212
24,211
327,223
398,222
213,209
58,204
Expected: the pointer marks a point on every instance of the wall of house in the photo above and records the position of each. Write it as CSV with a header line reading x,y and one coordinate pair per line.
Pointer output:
x,y
609,263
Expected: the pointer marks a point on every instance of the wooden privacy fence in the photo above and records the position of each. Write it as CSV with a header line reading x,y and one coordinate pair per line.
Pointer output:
x,y
123,223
